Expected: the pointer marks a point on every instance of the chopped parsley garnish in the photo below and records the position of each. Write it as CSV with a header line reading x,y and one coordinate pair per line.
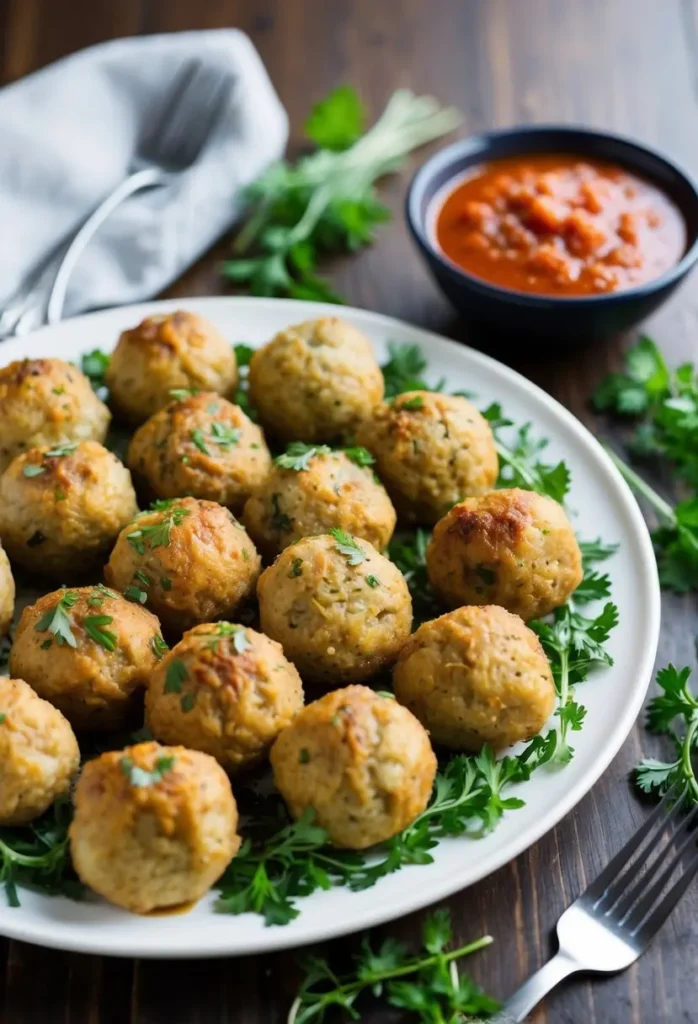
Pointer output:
x,y
94,624
140,777
158,646
33,470
243,354
61,450
135,594
3,718
304,756
241,641
298,455
225,436
360,456
166,583
347,546
175,676
279,520
157,535
404,369
98,595
197,437
417,402
58,621
180,394
296,568
373,581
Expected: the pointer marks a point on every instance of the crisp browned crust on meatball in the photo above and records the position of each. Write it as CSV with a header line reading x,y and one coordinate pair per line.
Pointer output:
x,y
340,612
192,558
88,651
7,594
316,381
163,353
203,446
47,402
61,508
511,547
431,451
331,492
154,826
38,753
476,675
224,689
360,761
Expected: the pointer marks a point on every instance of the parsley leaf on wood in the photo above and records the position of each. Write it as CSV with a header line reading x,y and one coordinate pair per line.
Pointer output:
x,y
326,202
428,984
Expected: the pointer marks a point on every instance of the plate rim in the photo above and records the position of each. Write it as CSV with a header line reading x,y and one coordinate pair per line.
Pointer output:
x,y
422,895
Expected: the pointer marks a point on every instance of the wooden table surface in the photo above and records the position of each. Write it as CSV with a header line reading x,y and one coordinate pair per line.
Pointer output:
x,y
629,65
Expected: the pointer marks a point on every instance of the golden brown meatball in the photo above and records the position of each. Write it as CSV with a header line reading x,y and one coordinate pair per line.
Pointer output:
x,y
431,451
324,489
154,826
362,762
47,402
61,509
513,548
192,559
7,594
163,353
204,446
340,610
38,753
316,381
474,676
226,690
90,652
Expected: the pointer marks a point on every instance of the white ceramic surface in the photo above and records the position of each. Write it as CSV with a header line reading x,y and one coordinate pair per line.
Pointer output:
x,y
603,506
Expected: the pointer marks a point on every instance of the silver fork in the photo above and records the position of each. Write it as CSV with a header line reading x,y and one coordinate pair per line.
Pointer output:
x,y
611,924
175,133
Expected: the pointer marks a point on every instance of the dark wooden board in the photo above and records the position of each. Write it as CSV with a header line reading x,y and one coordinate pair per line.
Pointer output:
x,y
630,65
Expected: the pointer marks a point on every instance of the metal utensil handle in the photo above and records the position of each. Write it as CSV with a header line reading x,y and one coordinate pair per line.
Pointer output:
x,y
146,178
517,1008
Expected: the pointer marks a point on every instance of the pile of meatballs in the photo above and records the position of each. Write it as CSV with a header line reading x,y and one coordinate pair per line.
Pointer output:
x,y
154,607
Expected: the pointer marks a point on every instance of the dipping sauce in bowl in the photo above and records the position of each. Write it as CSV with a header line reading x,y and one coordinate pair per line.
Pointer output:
x,y
559,225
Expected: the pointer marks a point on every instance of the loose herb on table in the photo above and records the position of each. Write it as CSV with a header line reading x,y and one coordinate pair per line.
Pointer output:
x,y
427,985
327,202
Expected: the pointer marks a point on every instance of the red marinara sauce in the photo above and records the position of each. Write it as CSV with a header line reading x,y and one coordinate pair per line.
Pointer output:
x,y
559,225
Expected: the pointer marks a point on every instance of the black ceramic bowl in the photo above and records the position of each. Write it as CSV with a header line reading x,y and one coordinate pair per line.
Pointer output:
x,y
512,314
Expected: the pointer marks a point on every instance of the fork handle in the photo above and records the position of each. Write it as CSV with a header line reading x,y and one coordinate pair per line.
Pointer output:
x,y
518,1006
146,178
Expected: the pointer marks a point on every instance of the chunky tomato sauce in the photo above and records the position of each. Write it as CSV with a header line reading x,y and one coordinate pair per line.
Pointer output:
x,y
559,225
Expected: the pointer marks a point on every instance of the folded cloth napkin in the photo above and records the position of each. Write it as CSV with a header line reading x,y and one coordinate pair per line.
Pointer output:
x,y
67,134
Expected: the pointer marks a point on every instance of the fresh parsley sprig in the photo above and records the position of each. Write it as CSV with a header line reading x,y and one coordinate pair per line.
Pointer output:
x,y
428,985
675,539
519,462
38,855
298,455
157,534
674,713
327,201
58,621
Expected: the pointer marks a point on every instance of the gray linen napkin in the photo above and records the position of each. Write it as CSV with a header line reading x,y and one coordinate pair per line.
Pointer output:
x,y
67,134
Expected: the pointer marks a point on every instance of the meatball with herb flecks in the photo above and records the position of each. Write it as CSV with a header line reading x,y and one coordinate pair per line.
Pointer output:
x,y
476,675
431,451
61,508
191,560
511,547
7,594
312,489
47,402
38,753
360,761
165,352
200,445
315,381
340,610
224,689
154,826
90,652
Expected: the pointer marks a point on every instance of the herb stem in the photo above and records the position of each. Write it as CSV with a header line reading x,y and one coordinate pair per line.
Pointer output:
x,y
662,507
686,758
417,964
507,456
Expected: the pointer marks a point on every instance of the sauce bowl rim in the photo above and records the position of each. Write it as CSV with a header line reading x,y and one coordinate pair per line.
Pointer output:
x,y
480,145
